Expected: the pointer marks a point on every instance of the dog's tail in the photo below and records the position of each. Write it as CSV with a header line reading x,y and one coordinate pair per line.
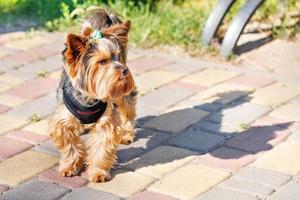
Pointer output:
x,y
97,19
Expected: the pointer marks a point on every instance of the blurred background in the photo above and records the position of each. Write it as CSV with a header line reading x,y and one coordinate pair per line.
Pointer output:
x,y
156,23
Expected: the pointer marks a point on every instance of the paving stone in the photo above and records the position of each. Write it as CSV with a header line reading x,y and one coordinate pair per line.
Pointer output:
x,y
47,147
31,55
151,196
275,94
221,194
284,158
35,190
144,111
238,114
153,79
161,160
168,96
27,43
222,94
197,140
5,51
186,86
11,147
257,139
264,177
226,158
27,136
252,81
183,68
3,188
4,87
8,123
19,76
220,129
5,37
10,101
177,121
52,176
3,108
55,75
34,89
40,127
209,77
246,187
10,78
42,107
124,184
145,64
288,111
8,65
145,140
90,194
197,104
50,64
189,181
24,166
289,191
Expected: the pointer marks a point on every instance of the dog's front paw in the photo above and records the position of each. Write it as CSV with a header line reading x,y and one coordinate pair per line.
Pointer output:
x,y
99,177
69,171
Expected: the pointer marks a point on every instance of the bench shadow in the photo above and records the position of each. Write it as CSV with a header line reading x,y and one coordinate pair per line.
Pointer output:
x,y
199,140
249,46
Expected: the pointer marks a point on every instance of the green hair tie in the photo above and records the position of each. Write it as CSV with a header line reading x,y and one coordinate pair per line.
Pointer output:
x,y
97,35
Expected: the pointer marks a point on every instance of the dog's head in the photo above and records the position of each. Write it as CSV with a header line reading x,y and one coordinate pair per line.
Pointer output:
x,y
95,61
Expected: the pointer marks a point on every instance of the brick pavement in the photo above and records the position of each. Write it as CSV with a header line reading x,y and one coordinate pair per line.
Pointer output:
x,y
205,130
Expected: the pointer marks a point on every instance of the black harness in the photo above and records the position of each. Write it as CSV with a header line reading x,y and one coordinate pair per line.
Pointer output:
x,y
86,114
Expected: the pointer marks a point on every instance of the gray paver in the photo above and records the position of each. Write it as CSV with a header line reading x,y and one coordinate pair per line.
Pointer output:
x,y
164,97
183,68
8,65
43,106
290,191
50,64
239,113
268,178
177,121
246,187
197,140
219,129
86,193
48,148
35,190
220,194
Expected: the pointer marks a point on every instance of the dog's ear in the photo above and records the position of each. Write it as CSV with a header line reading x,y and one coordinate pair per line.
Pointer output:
x,y
119,31
75,46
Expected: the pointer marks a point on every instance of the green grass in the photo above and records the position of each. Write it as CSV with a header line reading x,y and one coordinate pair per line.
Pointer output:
x,y
154,22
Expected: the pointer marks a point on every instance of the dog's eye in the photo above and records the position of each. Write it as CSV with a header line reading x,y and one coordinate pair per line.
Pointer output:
x,y
103,62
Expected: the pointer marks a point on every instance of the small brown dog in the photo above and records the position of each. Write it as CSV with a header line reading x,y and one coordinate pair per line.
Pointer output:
x,y
96,93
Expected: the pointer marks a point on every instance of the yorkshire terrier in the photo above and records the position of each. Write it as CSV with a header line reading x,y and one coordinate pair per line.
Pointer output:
x,y
96,93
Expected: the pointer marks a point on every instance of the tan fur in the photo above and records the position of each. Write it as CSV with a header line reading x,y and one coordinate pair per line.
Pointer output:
x,y
101,81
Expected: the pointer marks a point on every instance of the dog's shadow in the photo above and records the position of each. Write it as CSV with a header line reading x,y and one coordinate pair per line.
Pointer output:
x,y
156,152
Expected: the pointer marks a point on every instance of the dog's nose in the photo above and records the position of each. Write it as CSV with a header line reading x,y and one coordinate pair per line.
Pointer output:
x,y
125,71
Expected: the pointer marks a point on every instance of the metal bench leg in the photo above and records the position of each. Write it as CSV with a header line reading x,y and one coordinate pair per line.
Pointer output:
x,y
214,20
237,26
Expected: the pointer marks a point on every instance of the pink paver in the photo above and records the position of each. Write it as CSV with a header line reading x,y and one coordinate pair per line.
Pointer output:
x,y
10,147
188,86
32,55
144,64
226,158
35,88
252,81
69,182
4,108
3,188
27,136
